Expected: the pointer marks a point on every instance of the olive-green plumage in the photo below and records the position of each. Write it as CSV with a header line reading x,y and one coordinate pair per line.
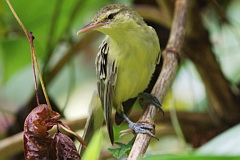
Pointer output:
x,y
126,59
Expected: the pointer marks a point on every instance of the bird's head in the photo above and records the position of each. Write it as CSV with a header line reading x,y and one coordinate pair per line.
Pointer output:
x,y
112,18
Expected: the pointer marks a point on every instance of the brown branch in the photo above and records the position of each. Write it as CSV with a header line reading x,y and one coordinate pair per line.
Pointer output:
x,y
164,82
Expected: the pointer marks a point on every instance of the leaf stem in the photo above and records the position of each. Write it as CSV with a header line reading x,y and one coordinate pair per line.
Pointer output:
x,y
33,53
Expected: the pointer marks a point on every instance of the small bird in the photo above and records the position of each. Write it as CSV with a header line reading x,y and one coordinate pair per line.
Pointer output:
x,y
125,62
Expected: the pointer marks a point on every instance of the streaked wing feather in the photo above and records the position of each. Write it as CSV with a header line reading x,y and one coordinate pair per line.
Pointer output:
x,y
106,74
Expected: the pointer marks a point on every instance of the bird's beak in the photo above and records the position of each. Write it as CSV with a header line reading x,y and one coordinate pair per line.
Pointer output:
x,y
91,26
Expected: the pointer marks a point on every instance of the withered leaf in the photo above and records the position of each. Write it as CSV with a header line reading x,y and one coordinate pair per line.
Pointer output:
x,y
64,148
36,139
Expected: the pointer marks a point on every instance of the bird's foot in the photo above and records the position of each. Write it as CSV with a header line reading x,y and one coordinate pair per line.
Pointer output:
x,y
146,99
140,127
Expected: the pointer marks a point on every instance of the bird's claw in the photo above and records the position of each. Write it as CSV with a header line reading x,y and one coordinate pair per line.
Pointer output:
x,y
139,128
146,99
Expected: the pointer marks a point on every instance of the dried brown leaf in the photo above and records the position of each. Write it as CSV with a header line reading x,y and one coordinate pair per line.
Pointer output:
x,y
36,139
64,148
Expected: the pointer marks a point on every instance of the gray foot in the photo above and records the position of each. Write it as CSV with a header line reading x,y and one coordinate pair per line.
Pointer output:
x,y
137,128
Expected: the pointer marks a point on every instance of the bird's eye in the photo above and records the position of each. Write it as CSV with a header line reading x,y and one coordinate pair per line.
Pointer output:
x,y
111,16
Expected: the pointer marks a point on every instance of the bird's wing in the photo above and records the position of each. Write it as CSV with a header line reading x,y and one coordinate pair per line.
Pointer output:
x,y
106,74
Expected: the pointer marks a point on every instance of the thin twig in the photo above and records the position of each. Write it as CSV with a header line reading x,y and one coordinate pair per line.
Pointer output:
x,y
164,82
40,76
69,131
33,68
30,38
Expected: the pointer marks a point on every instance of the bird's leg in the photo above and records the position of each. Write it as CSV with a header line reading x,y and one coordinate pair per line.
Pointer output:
x,y
137,127
146,99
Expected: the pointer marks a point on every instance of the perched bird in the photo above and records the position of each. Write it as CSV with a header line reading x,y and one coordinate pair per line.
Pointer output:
x,y
125,62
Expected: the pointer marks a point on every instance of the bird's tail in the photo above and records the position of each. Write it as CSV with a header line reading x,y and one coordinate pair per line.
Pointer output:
x,y
108,116
109,125
95,119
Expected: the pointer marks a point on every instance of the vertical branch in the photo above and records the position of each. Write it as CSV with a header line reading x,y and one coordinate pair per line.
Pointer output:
x,y
165,80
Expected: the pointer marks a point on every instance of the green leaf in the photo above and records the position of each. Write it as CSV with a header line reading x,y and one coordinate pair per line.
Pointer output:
x,y
93,149
123,149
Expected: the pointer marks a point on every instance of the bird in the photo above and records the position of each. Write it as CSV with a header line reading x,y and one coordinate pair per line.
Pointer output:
x,y
125,62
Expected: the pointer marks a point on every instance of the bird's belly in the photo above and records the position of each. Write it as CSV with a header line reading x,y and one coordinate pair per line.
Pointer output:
x,y
133,76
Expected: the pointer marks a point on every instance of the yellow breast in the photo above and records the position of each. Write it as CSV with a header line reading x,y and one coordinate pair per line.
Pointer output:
x,y
136,59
